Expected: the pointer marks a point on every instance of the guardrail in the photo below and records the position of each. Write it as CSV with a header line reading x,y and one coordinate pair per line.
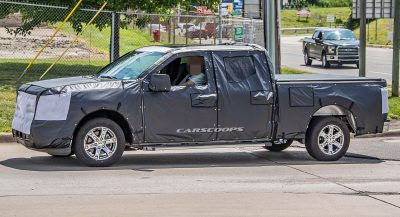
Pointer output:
x,y
305,29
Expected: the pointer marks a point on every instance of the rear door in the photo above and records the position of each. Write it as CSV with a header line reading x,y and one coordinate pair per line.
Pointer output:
x,y
245,95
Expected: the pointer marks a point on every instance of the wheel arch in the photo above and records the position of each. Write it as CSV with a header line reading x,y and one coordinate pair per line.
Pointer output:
x,y
336,111
110,114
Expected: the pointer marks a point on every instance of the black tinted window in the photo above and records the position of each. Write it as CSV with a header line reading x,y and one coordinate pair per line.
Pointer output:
x,y
238,69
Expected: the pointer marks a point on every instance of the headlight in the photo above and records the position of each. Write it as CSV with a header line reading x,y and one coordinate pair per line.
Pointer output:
x,y
331,49
53,107
24,112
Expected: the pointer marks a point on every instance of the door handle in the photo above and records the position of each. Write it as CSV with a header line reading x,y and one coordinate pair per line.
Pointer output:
x,y
204,100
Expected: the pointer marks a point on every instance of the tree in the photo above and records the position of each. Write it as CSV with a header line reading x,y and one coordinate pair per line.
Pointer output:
x,y
34,16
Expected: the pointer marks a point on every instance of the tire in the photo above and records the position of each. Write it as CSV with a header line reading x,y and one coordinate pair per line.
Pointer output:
x,y
321,141
278,147
91,146
325,62
307,60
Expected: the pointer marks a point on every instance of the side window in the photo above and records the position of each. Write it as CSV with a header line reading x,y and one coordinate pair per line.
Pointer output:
x,y
315,35
238,69
320,35
187,71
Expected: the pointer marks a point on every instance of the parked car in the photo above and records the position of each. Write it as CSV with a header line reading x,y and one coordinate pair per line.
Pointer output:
x,y
137,102
181,28
196,32
331,46
156,26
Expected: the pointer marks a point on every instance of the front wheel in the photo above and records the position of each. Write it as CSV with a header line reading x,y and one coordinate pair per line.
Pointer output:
x,y
325,62
279,146
99,143
327,139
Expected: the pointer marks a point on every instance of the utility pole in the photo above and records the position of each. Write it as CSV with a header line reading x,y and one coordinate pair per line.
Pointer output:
x,y
363,38
396,47
277,36
271,12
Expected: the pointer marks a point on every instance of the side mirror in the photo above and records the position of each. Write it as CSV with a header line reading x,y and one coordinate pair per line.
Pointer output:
x,y
318,40
160,83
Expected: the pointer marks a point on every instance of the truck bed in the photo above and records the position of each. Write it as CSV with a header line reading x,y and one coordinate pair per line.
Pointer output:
x,y
301,78
301,96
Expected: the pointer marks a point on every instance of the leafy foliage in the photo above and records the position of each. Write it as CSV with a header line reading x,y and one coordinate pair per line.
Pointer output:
x,y
34,16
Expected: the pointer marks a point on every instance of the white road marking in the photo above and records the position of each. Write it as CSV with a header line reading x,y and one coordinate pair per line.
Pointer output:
x,y
392,141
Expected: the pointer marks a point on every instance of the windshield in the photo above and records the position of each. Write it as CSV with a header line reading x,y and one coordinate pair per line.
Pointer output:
x,y
340,35
130,66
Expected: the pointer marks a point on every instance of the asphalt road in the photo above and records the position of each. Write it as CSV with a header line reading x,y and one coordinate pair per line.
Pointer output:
x,y
206,181
379,61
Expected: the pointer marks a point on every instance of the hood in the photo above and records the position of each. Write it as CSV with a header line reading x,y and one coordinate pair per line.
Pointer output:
x,y
343,43
58,85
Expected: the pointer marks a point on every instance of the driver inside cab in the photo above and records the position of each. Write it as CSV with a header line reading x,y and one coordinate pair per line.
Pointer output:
x,y
195,76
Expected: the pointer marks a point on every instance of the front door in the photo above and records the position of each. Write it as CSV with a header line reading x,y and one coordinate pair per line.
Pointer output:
x,y
186,113
245,95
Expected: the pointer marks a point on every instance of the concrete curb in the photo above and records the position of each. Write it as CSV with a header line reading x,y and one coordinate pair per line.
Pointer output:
x,y
392,133
6,138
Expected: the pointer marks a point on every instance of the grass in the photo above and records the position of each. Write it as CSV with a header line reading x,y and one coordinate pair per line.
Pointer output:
x,y
293,71
377,36
394,108
7,107
317,18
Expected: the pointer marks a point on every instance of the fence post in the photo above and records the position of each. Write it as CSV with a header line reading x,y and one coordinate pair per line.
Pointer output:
x,y
214,32
174,30
169,30
114,39
186,30
219,24
200,32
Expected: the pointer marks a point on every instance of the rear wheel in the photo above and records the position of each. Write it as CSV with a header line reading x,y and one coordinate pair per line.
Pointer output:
x,y
325,62
327,139
307,59
100,142
279,146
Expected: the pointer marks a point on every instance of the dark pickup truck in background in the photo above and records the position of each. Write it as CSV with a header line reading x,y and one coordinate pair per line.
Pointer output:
x,y
138,101
331,46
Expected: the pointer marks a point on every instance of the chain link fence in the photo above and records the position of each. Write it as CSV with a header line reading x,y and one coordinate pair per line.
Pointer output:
x,y
26,27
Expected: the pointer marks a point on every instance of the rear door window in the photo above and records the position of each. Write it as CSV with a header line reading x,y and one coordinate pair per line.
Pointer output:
x,y
238,69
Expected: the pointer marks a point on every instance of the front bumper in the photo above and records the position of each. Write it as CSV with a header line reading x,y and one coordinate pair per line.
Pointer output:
x,y
47,136
343,59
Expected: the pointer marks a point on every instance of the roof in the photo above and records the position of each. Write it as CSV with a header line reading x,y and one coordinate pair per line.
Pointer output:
x,y
224,47
154,48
